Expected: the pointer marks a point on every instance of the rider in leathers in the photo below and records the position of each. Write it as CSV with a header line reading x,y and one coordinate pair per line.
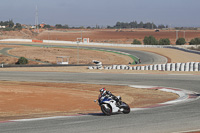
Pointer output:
x,y
103,92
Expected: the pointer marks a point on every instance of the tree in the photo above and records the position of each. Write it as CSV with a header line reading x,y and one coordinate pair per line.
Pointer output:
x,y
47,26
10,24
140,25
195,41
18,26
134,24
161,26
65,26
135,41
180,41
164,41
22,60
150,40
58,26
148,25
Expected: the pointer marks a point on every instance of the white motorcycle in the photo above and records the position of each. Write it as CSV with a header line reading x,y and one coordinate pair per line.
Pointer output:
x,y
109,106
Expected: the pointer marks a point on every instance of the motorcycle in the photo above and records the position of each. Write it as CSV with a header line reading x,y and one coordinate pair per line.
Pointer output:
x,y
109,106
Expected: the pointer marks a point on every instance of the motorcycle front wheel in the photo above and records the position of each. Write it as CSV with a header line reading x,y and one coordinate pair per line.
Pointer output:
x,y
126,108
106,109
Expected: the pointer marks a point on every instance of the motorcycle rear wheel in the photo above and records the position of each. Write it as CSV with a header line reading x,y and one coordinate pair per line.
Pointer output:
x,y
106,110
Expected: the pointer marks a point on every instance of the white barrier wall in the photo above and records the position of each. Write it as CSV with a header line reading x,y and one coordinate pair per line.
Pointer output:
x,y
189,66
16,40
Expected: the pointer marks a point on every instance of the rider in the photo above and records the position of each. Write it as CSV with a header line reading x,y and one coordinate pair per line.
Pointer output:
x,y
104,92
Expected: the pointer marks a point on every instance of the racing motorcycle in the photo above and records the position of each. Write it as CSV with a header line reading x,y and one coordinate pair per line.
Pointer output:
x,y
109,106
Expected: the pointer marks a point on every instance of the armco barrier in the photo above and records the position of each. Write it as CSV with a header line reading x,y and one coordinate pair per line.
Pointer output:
x,y
189,66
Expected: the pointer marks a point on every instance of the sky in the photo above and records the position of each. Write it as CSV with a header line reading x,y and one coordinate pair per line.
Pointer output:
x,y
102,12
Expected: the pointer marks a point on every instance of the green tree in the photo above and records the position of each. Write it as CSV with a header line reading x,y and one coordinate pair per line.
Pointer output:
x,y
10,24
195,41
180,41
58,26
135,41
18,26
22,60
164,41
151,40
161,26
47,26
140,25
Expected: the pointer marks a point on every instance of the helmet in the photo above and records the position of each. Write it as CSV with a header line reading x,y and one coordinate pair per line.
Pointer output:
x,y
102,91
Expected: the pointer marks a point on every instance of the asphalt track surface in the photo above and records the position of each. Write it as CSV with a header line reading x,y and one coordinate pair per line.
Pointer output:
x,y
180,117
166,119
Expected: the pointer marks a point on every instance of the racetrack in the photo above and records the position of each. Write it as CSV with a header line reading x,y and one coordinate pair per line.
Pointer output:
x,y
145,57
173,118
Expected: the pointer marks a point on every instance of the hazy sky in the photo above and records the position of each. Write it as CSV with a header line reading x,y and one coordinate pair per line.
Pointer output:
x,y
102,12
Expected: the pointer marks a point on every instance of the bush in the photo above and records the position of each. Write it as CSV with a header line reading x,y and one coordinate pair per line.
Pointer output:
x,y
180,41
135,41
164,41
22,60
150,40
195,41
